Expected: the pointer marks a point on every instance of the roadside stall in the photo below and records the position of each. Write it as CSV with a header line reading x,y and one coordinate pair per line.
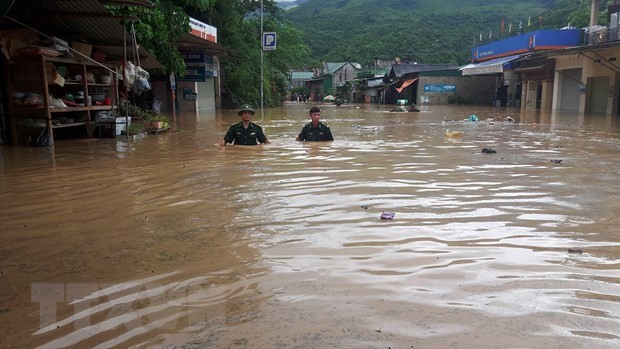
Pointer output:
x,y
63,67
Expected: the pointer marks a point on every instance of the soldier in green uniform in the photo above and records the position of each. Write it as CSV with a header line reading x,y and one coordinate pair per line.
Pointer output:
x,y
316,130
245,132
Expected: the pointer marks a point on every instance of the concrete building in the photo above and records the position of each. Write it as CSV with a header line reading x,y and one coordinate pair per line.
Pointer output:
x,y
571,69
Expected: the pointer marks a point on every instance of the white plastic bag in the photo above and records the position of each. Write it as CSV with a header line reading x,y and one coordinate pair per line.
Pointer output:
x,y
130,75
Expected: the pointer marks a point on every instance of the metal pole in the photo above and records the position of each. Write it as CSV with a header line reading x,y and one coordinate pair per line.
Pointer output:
x,y
124,77
262,113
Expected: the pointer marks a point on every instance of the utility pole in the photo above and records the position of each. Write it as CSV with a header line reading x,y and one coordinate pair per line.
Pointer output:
x,y
594,13
262,52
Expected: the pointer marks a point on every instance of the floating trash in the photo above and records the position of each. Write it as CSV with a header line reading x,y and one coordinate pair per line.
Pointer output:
x,y
453,134
387,215
488,151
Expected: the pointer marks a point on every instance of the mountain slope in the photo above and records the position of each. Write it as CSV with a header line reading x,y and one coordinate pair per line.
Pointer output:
x,y
426,31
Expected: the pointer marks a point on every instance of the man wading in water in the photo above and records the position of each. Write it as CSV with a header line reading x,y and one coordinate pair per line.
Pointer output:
x,y
245,132
315,130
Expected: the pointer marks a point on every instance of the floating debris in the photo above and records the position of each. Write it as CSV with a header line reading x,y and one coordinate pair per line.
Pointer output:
x,y
387,215
488,151
556,161
367,128
453,134
575,251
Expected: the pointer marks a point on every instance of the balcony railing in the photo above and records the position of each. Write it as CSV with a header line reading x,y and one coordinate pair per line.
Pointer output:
x,y
600,35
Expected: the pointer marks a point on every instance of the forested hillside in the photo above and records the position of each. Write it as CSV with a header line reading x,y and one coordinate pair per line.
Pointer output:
x,y
426,31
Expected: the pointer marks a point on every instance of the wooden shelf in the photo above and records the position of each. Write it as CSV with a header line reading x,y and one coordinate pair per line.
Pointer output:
x,y
32,74
70,125
91,107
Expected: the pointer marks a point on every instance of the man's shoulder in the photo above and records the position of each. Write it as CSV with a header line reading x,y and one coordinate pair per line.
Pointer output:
x,y
255,125
235,124
324,124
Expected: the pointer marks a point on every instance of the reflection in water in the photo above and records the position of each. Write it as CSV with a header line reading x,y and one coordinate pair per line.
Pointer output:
x,y
172,241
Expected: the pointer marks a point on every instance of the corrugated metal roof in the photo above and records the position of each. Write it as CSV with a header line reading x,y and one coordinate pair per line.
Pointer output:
x,y
189,41
400,70
374,82
84,20
333,67
302,75
492,66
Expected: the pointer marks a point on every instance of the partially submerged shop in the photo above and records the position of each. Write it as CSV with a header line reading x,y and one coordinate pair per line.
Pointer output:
x,y
567,69
68,68
200,88
587,79
531,86
63,62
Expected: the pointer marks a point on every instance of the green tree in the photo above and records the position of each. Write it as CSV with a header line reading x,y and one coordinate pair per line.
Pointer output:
x,y
580,17
239,28
158,28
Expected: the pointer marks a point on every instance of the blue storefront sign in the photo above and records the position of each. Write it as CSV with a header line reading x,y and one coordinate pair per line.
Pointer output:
x,y
439,88
544,39
198,66
193,56
194,73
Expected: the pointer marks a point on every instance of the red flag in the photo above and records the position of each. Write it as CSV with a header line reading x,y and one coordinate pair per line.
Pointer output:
x,y
502,26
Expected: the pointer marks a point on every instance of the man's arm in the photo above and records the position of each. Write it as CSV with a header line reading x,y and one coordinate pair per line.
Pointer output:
x,y
328,135
302,135
262,138
228,138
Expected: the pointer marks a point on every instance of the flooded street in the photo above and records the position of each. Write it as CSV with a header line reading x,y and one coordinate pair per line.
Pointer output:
x,y
173,242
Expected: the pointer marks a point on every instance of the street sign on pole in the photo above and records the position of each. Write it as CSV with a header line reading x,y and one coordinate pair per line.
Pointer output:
x,y
269,41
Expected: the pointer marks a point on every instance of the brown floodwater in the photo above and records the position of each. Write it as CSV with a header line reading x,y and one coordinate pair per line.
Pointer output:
x,y
173,242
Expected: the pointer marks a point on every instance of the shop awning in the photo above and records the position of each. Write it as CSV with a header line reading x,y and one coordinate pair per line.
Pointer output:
x,y
87,21
492,66
405,84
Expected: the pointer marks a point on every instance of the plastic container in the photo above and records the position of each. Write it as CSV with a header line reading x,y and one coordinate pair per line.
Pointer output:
x,y
106,79
120,124
387,216
97,97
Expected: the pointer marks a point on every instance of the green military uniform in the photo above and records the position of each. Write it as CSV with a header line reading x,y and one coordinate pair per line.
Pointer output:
x,y
314,134
245,136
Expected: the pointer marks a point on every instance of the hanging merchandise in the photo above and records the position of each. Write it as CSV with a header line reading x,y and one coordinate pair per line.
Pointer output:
x,y
141,82
130,75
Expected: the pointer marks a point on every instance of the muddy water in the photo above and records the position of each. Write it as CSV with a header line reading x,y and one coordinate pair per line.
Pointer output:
x,y
172,242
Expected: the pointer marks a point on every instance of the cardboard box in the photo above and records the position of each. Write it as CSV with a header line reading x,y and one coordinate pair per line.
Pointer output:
x,y
13,40
83,48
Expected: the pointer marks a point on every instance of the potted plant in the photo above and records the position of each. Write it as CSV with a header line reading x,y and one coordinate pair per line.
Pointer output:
x,y
156,121
135,128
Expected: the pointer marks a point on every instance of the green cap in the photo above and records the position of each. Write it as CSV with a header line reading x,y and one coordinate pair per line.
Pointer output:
x,y
245,107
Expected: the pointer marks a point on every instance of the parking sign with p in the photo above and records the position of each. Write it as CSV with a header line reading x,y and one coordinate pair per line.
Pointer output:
x,y
269,41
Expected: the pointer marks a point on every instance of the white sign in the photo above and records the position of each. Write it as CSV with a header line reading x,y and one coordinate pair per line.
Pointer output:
x,y
269,41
